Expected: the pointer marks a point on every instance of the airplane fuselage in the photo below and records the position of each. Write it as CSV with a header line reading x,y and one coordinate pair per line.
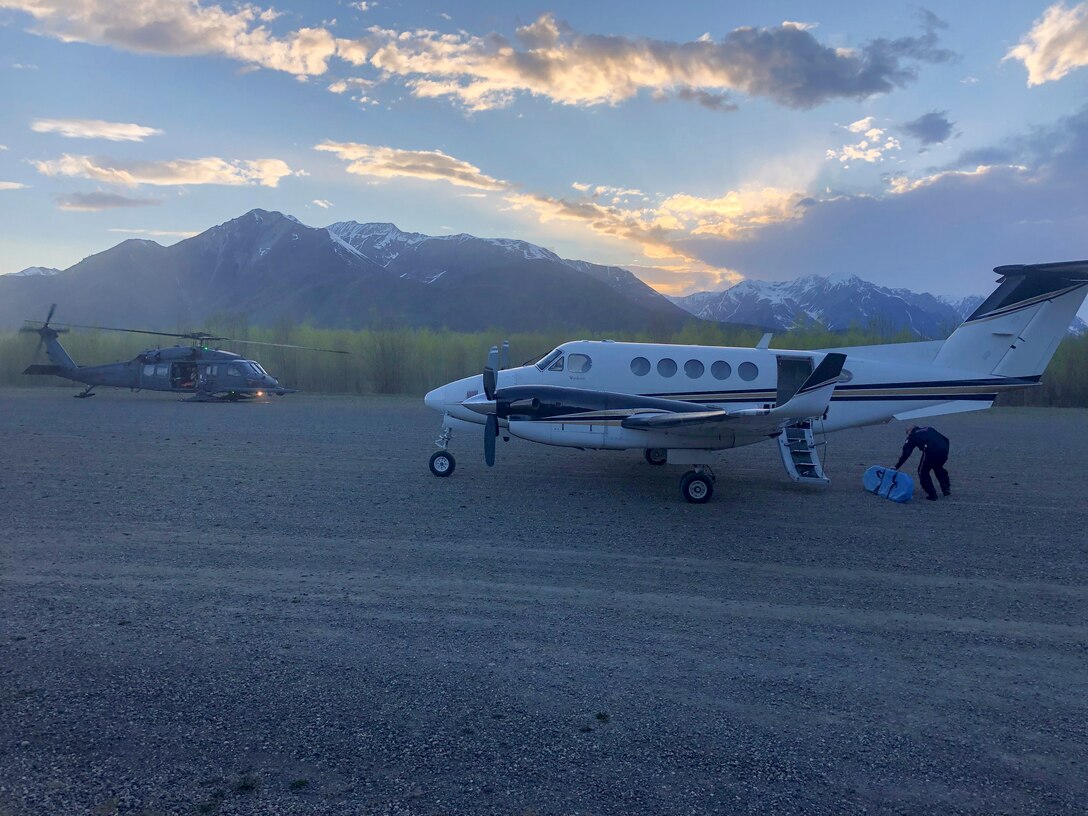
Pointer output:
x,y
870,390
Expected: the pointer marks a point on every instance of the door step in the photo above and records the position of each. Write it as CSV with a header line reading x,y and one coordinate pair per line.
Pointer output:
x,y
798,449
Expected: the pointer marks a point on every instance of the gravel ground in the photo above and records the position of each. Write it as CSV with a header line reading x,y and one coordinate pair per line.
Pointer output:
x,y
275,608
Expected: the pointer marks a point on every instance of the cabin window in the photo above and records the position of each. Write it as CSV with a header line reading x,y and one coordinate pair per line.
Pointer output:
x,y
212,370
557,365
162,370
578,363
548,359
666,367
233,371
721,370
748,371
149,371
640,366
694,369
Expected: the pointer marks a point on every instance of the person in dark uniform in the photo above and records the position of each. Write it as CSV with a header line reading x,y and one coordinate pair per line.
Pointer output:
x,y
934,447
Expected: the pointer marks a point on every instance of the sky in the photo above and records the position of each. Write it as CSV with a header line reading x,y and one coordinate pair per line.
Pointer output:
x,y
695,143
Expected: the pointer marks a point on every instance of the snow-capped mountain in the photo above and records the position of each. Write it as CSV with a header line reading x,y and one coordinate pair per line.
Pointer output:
x,y
835,302
454,259
265,267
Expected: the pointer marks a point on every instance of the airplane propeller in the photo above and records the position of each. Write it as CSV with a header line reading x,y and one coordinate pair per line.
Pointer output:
x,y
495,363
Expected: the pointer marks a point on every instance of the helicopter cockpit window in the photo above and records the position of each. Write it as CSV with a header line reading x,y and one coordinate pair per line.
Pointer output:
x,y
256,367
233,371
578,363
149,370
162,370
548,359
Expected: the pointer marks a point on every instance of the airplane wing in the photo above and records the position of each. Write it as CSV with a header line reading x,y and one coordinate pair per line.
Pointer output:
x,y
811,400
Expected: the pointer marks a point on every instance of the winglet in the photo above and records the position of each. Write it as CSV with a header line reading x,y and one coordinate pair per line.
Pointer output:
x,y
827,371
812,398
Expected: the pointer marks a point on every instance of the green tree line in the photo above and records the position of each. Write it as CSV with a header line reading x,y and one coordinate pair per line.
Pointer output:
x,y
412,361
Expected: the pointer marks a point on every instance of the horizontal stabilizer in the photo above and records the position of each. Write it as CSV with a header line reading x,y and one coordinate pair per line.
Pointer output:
x,y
42,369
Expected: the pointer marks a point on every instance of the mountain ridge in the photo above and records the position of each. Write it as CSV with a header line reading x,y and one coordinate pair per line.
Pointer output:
x,y
837,303
267,267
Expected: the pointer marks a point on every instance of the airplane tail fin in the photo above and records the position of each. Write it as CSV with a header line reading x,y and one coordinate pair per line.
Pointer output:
x,y
1017,329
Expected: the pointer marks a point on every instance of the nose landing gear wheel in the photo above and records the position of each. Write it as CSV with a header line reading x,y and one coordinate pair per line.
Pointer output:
x,y
696,487
656,456
442,463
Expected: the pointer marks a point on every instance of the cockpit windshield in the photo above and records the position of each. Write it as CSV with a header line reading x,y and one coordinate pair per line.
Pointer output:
x,y
254,367
548,359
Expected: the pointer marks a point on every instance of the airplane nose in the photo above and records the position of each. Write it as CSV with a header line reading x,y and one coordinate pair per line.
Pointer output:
x,y
436,399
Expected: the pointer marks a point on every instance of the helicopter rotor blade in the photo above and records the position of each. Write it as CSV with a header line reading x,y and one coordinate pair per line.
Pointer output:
x,y
187,336
201,337
280,345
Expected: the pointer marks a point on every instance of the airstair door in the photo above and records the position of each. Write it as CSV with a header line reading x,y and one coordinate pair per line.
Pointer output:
x,y
792,373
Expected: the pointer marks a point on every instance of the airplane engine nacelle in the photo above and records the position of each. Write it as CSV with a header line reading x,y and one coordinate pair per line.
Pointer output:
x,y
611,436
584,434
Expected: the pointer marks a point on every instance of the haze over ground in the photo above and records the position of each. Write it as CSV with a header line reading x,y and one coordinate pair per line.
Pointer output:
x,y
696,144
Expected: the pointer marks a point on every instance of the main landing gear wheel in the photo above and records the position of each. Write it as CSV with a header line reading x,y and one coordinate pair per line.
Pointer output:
x,y
656,456
696,487
442,463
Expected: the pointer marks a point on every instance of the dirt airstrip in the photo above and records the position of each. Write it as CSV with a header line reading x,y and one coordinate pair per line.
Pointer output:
x,y
275,608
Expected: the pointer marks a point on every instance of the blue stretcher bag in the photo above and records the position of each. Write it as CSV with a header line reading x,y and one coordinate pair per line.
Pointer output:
x,y
889,483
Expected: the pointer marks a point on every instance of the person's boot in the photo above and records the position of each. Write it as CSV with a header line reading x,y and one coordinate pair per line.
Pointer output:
x,y
931,497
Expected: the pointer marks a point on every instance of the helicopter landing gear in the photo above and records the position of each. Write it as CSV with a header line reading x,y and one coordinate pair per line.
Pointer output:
x,y
86,392
442,462
656,456
697,486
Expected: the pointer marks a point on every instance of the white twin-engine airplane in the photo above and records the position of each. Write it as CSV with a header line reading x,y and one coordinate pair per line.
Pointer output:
x,y
681,403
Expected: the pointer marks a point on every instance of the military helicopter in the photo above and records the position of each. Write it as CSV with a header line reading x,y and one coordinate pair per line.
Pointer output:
x,y
206,374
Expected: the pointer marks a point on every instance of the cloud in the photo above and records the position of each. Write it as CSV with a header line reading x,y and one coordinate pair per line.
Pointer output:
x,y
94,129
900,184
322,203
710,101
1056,44
786,64
686,278
93,202
428,165
930,128
941,232
3,147
181,28
870,148
210,170
11,185
606,210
